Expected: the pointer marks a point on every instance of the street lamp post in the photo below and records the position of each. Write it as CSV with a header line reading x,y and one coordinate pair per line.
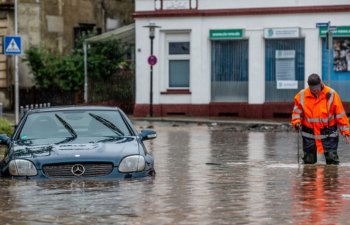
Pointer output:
x,y
152,60
16,69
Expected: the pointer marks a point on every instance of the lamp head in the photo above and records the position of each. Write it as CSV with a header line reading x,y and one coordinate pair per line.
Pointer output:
x,y
152,27
151,32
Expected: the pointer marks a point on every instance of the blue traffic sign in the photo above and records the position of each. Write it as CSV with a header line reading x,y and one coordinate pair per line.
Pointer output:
x,y
332,28
12,45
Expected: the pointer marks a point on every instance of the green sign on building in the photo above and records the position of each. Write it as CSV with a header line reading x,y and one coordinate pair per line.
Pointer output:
x,y
340,31
226,34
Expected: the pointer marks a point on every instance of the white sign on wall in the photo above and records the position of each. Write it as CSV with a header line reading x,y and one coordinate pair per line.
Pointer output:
x,y
285,54
293,32
287,84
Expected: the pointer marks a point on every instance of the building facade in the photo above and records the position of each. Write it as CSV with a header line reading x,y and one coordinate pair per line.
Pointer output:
x,y
244,58
56,25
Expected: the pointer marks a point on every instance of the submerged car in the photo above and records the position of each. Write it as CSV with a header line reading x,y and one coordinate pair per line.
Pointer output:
x,y
77,142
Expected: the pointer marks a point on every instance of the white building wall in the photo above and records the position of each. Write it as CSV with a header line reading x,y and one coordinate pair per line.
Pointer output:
x,y
256,67
200,63
313,52
200,71
142,68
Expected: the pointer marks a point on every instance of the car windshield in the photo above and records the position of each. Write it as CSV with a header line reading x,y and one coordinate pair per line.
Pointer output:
x,y
71,124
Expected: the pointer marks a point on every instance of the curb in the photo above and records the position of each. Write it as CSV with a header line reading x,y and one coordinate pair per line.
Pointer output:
x,y
211,121
194,120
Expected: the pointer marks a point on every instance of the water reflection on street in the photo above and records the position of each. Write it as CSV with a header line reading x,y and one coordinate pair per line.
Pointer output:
x,y
205,175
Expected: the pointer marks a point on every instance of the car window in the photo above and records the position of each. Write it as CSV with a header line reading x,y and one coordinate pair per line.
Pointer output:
x,y
41,125
65,124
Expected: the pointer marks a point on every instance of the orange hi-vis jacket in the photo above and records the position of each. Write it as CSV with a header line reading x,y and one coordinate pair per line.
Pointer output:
x,y
319,113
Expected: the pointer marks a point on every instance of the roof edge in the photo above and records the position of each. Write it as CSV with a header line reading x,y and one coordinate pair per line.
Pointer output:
x,y
109,34
243,11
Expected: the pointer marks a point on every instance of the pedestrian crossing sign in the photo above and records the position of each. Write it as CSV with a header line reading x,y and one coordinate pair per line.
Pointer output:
x,y
12,45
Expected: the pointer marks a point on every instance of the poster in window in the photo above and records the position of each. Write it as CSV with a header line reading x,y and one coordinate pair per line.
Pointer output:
x,y
285,64
285,69
341,55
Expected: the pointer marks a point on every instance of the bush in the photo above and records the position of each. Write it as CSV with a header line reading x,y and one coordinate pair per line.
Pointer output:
x,y
6,127
54,70
110,71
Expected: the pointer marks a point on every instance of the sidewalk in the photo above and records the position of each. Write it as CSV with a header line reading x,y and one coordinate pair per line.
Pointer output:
x,y
198,120
215,120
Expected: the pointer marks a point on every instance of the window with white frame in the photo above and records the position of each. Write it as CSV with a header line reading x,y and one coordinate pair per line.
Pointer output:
x,y
178,55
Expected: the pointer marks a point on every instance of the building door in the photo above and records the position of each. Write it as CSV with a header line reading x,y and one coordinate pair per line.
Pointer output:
x,y
229,71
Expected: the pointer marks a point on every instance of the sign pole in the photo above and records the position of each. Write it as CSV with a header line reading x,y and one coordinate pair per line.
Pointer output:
x,y
151,60
329,61
151,82
330,46
16,70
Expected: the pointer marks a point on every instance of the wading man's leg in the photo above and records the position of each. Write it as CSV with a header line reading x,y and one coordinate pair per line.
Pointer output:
x,y
330,146
331,157
310,151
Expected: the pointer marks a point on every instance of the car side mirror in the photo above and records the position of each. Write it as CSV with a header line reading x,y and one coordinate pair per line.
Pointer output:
x,y
4,139
148,134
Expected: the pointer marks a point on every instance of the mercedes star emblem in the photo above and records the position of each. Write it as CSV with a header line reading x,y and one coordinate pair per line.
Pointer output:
x,y
78,170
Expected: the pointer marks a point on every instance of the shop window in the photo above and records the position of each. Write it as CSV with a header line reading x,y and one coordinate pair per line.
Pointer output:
x,y
339,73
284,69
341,54
229,71
179,64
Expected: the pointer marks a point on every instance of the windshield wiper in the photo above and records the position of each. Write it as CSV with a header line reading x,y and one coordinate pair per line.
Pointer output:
x,y
67,126
67,139
107,139
107,123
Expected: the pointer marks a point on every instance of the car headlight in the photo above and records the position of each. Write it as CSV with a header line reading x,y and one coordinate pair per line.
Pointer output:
x,y
132,163
20,167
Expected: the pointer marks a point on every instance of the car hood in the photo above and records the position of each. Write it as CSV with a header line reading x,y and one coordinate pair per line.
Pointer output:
x,y
78,150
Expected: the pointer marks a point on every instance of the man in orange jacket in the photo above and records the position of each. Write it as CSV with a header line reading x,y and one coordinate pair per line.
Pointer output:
x,y
319,113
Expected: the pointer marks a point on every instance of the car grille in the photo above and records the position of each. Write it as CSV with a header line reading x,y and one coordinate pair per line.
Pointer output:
x,y
77,170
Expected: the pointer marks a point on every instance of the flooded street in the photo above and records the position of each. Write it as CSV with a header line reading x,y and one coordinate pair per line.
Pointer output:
x,y
205,175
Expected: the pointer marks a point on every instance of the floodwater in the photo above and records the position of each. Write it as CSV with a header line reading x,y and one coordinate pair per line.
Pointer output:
x,y
205,175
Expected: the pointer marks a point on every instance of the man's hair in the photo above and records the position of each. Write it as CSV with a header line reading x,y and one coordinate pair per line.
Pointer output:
x,y
314,79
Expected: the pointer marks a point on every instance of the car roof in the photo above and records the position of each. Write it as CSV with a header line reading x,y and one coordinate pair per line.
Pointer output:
x,y
71,108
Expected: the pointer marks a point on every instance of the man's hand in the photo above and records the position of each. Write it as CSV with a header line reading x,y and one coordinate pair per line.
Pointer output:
x,y
347,139
297,127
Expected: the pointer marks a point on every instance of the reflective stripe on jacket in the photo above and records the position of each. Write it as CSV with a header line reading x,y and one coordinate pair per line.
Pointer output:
x,y
320,113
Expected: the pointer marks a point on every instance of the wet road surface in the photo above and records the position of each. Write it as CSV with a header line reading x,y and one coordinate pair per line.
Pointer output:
x,y
205,175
